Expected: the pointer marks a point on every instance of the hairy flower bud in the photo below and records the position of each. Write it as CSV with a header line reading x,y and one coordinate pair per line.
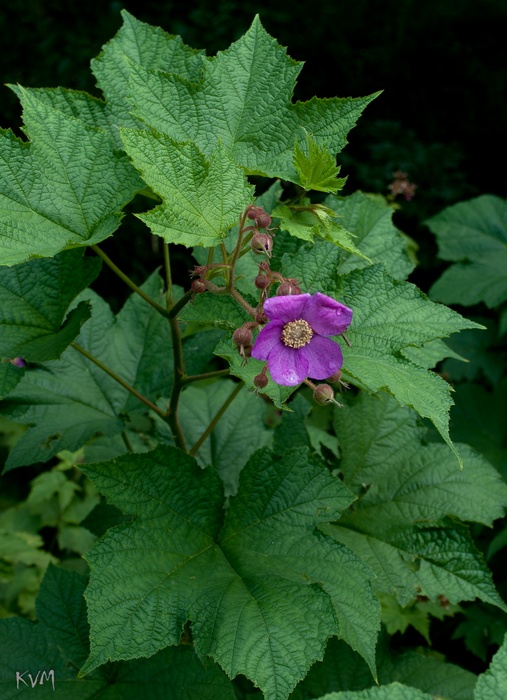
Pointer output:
x,y
257,214
288,287
262,281
262,243
261,318
260,380
323,394
242,337
198,286
335,378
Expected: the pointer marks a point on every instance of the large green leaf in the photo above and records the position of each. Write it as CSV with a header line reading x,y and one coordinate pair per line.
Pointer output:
x,y
238,434
404,484
244,100
53,194
50,652
492,685
393,691
261,586
473,234
67,402
369,218
31,315
149,46
390,316
202,198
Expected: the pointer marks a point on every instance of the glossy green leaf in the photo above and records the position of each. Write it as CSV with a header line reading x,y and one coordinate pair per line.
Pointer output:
x,y
261,577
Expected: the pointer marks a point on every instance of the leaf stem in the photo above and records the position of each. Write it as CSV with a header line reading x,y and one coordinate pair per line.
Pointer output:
x,y
207,375
168,278
118,379
217,417
128,281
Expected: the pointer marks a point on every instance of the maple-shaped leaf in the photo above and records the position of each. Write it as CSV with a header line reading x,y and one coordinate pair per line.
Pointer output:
x,y
243,99
317,168
262,587
151,47
407,489
63,188
202,198
45,656
390,316
473,235
70,401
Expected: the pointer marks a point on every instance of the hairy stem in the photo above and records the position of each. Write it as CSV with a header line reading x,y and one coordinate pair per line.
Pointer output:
x,y
168,278
128,281
118,379
217,417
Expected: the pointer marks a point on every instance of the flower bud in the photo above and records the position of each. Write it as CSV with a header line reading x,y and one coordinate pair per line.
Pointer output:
x,y
261,318
286,288
323,394
18,361
262,281
263,220
335,378
258,216
260,381
262,243
242,337
198,286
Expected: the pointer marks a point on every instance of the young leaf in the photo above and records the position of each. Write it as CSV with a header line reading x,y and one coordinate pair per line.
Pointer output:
x,y
202,197
72,400
50,652
52,192
388,317
31,315
235,580
244,100
317,168
474,235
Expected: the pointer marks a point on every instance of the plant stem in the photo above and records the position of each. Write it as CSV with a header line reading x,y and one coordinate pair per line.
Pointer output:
x,y
176,308
117,378
215,420
168,278
128,281
207,375
171,417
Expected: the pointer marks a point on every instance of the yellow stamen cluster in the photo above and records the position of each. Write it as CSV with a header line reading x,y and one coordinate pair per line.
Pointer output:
x,y
296,334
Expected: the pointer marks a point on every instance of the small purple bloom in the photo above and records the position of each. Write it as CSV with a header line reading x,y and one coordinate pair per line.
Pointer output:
x,y
296,343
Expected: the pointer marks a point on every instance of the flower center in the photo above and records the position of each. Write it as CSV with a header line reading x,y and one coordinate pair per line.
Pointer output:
x,y
297,334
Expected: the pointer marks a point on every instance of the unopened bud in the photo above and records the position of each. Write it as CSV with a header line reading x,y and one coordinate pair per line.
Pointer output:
x,y
262,281
323,394
261,318
260,381
286,288
263,220
18,361
335,378
258,216
242,337
262,243
198,286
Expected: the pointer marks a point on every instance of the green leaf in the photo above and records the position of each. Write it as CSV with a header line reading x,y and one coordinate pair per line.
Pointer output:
x,y
31,316
369,218
474,235
492,685
10,376
249,370
238,434
393,691
52,193
143,44
430,354
217,310
177,561
309,220
316,168
58,642
390,316
202,198
70,401
244,100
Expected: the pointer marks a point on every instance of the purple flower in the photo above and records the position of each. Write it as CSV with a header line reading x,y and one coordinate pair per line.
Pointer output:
x,y
295,342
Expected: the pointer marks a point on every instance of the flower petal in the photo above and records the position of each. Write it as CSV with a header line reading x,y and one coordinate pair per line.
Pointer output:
x,y
269,337
324,357
287,366
327,316
286,308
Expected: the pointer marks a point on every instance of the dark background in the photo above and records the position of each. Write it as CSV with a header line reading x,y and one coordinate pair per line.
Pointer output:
x,y
441,64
